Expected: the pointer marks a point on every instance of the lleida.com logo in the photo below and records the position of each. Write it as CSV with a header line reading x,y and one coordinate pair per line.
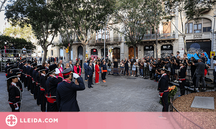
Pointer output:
x,y
11,120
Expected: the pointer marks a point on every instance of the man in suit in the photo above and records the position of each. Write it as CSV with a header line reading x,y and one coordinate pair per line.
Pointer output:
x,y
85,67
71,65
62,65
90,75
200,68
66,92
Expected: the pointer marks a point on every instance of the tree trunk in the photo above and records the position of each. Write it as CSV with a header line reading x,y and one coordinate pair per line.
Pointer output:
x,y
185,47
84,57
69,51
45,54
134,52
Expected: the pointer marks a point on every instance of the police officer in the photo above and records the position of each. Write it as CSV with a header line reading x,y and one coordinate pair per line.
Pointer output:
x,y
42,79
67,91
51,85
163,89
18,73
14,92
182,75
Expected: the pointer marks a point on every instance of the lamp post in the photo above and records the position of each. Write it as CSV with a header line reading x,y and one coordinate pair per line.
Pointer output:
x,y
213,41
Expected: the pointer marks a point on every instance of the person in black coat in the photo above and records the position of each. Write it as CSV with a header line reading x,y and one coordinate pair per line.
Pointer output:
x,y
42,92
182,76
90,75
51,85
67,91
163,89
18,73
14,92
200,68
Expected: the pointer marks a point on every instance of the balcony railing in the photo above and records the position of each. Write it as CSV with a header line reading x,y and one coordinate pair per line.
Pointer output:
x,y
110,40
160,36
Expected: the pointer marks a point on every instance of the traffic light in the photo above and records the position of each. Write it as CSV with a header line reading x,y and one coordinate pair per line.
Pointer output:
x,y
67,50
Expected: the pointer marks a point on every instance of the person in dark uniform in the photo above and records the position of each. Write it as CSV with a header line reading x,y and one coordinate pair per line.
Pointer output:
x,y
104,71
14,92
182,75
28,82
51,85
163,89
25,74
37,82
42,98
34,80
18,73
6,67
67,91
89,75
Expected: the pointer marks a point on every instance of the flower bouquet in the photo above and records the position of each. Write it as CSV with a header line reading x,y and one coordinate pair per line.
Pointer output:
x,y
172,92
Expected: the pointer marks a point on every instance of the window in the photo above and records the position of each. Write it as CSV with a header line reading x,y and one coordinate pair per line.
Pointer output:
x,y
189,28
197,28
51,52
206,29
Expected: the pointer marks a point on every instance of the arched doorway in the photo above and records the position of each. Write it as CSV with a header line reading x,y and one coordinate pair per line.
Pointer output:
x,y
166,50
131,52
116,54
149,51
94,53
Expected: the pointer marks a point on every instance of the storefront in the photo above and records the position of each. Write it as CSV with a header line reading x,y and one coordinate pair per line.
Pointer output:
x,y
149,51
166,50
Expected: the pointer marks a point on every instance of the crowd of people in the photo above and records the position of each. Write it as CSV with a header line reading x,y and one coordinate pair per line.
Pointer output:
x,y
52,86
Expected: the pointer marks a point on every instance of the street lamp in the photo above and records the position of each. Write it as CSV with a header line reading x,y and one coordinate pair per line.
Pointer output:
x,y
213,40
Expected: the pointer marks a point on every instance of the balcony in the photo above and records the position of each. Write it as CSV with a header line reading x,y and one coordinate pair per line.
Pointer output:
x,y
204,35
110,41
152,37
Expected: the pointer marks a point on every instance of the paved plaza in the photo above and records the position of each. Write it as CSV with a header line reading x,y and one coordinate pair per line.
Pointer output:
x,y
119,94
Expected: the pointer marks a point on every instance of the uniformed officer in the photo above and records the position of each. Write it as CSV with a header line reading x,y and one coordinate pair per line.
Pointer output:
x,y
29,80
67,91
25,74
42,79
163,89
32,82
182,75
14,92
51,85
18,72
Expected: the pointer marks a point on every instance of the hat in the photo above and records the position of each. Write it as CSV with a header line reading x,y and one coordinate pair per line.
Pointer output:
x,y
16,70
42,68
52,68
163,69
67,71
11,75
38,67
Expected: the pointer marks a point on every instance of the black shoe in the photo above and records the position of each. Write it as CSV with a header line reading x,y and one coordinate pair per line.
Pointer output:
x,y
91,87
92,84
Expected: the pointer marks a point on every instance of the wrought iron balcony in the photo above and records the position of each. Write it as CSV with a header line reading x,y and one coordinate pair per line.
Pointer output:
x,y
160,36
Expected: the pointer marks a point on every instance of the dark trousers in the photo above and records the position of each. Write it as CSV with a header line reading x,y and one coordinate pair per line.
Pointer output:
x,y
182,87
150,73
52,107
38,96
13,107
32,87
164,101
126,71
103,75
25,82
43,101
145,71
214,73
86,75
36,91
202,78
29,83
90,81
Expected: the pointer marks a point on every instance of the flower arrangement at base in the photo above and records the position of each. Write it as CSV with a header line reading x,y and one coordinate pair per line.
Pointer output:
x,y
172,92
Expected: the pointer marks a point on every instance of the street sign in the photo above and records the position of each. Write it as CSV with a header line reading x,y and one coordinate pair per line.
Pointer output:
x,y
212,54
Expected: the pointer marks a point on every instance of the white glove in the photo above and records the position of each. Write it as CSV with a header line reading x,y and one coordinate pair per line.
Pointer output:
x,y
75,75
